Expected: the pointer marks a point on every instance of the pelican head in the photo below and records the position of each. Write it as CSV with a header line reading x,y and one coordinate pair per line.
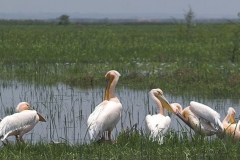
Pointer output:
x,y
231,113
177,110
112,77
112,74
156,92
159,94
22,106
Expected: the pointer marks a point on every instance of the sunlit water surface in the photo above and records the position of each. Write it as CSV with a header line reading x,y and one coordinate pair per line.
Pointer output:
x,y
66,109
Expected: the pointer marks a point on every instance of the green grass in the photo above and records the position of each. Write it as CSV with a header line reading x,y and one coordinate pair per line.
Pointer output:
x,y
129,146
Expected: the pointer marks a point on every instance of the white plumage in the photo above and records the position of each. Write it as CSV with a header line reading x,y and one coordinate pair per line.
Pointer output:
x,y
157,125
107,114
19,123
104,118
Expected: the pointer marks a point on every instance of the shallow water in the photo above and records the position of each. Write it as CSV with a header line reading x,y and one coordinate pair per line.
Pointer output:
x,y
67,109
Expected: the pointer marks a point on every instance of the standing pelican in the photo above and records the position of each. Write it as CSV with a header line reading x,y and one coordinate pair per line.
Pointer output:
x,y
107,114
157,125
19,123
232,128
201,118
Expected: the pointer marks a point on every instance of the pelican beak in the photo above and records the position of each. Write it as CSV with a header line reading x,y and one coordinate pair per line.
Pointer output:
x,y
39,115
106,96
168,106
183,119
165,103
109,82
41,118
232,119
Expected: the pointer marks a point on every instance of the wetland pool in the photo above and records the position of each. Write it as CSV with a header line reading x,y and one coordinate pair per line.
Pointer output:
x,y
66,109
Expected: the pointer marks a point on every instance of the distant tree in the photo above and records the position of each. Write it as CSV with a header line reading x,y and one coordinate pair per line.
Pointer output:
x,y
189,16
64,20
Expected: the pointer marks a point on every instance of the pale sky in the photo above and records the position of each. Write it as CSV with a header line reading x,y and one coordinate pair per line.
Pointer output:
x,y
213,7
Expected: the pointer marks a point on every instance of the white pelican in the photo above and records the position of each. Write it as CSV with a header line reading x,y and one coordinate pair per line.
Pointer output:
x,y
107,114
157,125
233,128
201,118
20,123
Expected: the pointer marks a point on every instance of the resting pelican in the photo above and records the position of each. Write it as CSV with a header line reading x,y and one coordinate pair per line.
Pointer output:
x,y
20,123
232,128
201,118
107,114
157,125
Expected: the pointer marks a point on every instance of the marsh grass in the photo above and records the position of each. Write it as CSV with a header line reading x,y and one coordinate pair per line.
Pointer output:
x,y
129,145
146,55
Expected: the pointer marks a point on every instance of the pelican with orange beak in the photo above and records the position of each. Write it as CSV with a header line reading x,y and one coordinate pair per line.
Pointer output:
x,y
199,117
19,123
107,114
230,126
157,125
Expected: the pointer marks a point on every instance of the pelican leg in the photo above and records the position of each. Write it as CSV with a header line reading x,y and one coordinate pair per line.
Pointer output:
x,y
109,136
5,143
17,138
103,137
21,139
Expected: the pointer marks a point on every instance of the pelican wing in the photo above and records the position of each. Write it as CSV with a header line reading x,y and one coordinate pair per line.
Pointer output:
x,y
16,122
104,118
207,113
92,120
94,115
199,124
